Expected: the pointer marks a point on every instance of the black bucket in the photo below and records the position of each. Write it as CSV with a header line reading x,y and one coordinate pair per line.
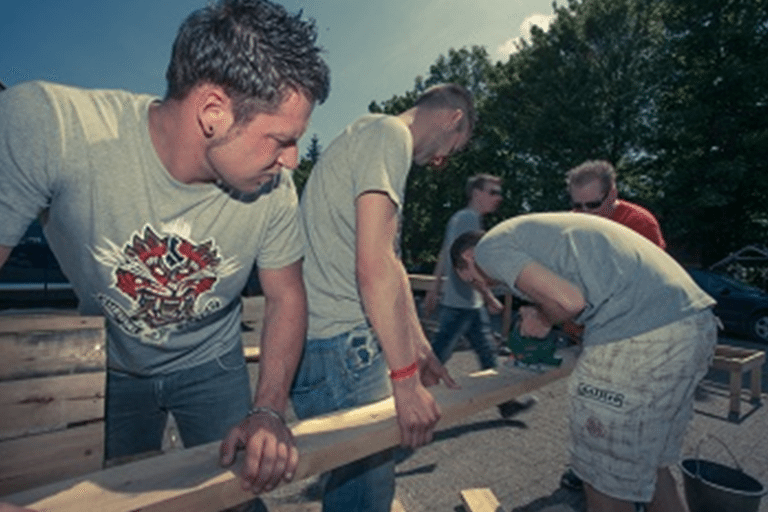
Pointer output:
x,y
713,487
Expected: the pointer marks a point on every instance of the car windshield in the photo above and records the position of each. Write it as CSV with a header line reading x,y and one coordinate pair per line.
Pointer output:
x,y
740,285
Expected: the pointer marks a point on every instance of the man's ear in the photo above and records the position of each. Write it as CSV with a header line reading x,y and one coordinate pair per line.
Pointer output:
x,y
213,108
613,194
456,118
469,257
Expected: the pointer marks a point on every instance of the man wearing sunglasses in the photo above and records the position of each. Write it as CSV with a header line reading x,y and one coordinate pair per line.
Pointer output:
x,y
592,187
462,310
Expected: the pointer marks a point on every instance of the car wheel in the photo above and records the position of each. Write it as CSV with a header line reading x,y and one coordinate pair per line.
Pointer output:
x,y
759,327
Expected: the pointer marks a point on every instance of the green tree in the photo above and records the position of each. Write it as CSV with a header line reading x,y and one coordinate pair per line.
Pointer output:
x,y
713,125
301,173
582,90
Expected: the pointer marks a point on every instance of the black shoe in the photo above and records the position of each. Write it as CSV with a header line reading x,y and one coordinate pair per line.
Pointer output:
x,y
569,480
509,409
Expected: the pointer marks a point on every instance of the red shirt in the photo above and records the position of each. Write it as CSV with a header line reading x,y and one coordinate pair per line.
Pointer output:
x,y
641,220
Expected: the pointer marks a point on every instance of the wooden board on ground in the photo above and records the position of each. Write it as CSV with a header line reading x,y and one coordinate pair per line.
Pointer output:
x,y
190,479
480,500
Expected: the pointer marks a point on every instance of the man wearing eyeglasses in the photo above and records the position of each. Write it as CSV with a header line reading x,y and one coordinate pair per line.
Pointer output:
x,y
592,187
461,310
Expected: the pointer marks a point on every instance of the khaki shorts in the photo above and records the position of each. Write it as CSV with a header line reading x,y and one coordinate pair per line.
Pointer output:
x,y
631,401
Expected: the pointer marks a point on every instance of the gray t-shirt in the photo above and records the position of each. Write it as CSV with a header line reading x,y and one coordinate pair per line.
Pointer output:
x,y
373,154
164,261
631,286
457,293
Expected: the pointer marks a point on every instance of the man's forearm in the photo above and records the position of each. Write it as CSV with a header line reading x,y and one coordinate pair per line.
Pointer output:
x,y
282,340
388,303
283,334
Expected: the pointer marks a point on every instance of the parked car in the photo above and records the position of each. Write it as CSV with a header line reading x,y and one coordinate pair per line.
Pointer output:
x,y
31,278
742,308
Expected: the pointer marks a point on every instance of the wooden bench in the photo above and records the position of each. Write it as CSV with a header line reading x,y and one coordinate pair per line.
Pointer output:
x,y
52,381
738,361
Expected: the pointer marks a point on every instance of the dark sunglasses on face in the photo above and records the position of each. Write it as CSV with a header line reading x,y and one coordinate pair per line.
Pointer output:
x,y
589,205
494,191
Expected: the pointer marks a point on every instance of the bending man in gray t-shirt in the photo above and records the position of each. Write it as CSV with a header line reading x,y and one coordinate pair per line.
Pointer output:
x,y
649,337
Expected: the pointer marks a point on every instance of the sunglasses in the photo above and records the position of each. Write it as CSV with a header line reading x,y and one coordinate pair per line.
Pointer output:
x,y
494,191
589,205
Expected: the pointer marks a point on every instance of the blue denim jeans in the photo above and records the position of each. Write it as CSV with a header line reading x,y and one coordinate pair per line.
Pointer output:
x,y
206,401
348,370
475,324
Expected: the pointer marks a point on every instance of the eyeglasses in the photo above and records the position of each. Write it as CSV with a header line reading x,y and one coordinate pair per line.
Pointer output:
x,y
494,191
589,205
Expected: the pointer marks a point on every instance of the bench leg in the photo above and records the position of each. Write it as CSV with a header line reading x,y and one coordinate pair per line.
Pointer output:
x,y
735,406
757,377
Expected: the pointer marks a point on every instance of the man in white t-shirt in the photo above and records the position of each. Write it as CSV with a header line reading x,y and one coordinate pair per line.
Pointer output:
x,y
362,318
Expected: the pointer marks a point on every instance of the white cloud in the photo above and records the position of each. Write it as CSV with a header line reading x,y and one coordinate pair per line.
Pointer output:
x,y
509,46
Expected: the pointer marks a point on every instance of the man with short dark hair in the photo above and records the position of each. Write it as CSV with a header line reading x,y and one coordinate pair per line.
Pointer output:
x,y
156,211
365,341
649,338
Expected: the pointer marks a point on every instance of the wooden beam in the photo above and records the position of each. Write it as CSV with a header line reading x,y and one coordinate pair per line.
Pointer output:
x,y
32,406
44,345
14,323
421,282
190,479
51,457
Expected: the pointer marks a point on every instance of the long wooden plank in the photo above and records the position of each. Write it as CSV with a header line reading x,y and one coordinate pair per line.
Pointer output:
x,y
50,403
45,458
190,479
421,282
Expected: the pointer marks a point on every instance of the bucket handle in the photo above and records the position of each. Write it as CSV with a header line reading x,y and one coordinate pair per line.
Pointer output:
x,y
698,446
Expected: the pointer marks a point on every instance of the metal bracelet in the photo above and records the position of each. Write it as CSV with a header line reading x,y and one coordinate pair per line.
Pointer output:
x,y
267,410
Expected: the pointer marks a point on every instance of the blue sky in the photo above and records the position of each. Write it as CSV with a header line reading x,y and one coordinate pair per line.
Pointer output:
x,y
375,49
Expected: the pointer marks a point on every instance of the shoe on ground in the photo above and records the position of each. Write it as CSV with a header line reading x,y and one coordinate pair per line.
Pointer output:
x,y
509,409
569,480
